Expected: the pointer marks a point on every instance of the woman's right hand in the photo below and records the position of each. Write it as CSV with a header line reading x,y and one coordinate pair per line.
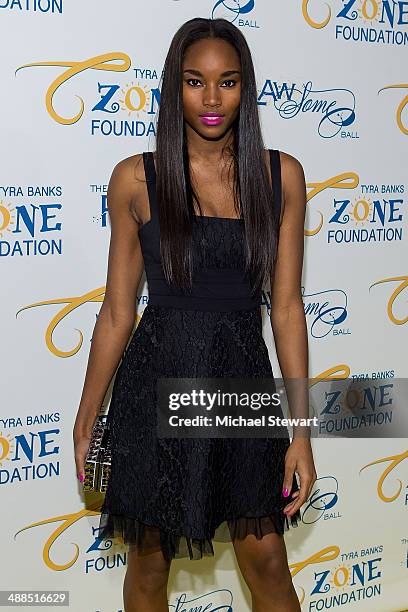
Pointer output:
x,y
81,447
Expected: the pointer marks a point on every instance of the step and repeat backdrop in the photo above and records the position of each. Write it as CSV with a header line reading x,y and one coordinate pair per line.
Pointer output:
x,y
79,92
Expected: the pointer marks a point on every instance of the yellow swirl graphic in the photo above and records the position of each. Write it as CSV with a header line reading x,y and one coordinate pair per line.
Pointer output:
x,y
67,521
394,295
346,180
325,554
401,106
341,370
394,461
97,295
99,62
322,556
309,20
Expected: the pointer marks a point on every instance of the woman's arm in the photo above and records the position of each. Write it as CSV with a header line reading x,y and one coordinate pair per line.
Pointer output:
x,y
118,311
287,310
289,325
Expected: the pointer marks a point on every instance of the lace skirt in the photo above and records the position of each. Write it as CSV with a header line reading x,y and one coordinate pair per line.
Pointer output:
x,y
178,495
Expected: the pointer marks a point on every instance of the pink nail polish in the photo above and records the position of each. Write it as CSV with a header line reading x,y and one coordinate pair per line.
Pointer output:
x,y
285,492
81,478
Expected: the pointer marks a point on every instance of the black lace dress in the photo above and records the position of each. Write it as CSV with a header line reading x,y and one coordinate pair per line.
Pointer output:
x,y
178,495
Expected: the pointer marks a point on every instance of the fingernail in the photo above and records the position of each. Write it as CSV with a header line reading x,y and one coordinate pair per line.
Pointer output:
x,y
81,478
285,492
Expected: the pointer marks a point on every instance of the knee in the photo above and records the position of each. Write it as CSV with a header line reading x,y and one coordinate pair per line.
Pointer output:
x,y
152,583
146,575
269,572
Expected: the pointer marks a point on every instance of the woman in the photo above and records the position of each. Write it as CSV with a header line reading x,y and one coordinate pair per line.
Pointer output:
x,y
202,217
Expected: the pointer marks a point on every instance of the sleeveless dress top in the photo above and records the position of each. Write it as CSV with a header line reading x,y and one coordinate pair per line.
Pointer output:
x,y
178,495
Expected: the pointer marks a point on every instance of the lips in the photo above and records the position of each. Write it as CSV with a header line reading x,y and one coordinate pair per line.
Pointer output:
x,y
211,118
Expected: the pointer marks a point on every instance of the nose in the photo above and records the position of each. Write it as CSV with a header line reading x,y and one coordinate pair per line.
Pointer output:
x,y
211,95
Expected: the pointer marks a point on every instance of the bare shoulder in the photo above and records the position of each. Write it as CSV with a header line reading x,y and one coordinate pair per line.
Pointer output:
x,y
128,183
290,166
291,170
290,163
129,171
293,179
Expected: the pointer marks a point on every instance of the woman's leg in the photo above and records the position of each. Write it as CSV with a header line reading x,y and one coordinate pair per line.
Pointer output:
x,y
264,567
145,584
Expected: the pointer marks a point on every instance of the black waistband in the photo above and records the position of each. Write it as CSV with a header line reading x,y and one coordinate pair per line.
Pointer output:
x,y
214,289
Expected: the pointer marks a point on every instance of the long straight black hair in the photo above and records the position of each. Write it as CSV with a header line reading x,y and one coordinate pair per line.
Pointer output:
x,y
253,195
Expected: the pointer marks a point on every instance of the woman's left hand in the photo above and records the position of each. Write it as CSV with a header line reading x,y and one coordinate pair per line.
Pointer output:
x,y
299,458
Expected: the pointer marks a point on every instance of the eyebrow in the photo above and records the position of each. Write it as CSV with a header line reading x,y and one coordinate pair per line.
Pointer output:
x,y
224,74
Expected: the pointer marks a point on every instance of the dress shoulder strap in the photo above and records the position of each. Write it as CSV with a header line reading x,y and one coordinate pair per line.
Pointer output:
x,y
276,182
150,173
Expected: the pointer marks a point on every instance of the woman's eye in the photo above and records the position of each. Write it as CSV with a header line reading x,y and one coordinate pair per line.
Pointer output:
x,y
194,81
231,83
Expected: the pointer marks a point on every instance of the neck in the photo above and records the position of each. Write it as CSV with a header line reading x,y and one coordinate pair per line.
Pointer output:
x,y
200,148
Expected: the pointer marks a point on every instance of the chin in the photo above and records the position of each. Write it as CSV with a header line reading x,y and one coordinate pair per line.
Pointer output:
x,y
212,132
212,135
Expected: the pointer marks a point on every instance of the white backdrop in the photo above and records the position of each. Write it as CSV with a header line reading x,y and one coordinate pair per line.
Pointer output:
x,y
79,93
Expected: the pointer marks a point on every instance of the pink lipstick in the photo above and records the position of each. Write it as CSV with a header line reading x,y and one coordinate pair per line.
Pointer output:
x,y
211,118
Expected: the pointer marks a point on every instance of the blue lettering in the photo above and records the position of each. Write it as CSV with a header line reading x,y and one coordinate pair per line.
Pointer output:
x,y
345,11
336,217
104,209
101,105
46,216
29,222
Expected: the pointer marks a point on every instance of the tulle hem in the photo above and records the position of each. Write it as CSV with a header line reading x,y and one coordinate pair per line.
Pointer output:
x,y
147,538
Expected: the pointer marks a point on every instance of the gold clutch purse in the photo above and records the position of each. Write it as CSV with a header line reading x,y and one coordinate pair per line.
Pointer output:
x,y
99,456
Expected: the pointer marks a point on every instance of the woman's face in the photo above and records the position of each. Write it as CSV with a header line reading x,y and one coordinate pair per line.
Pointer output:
x,y
211,87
